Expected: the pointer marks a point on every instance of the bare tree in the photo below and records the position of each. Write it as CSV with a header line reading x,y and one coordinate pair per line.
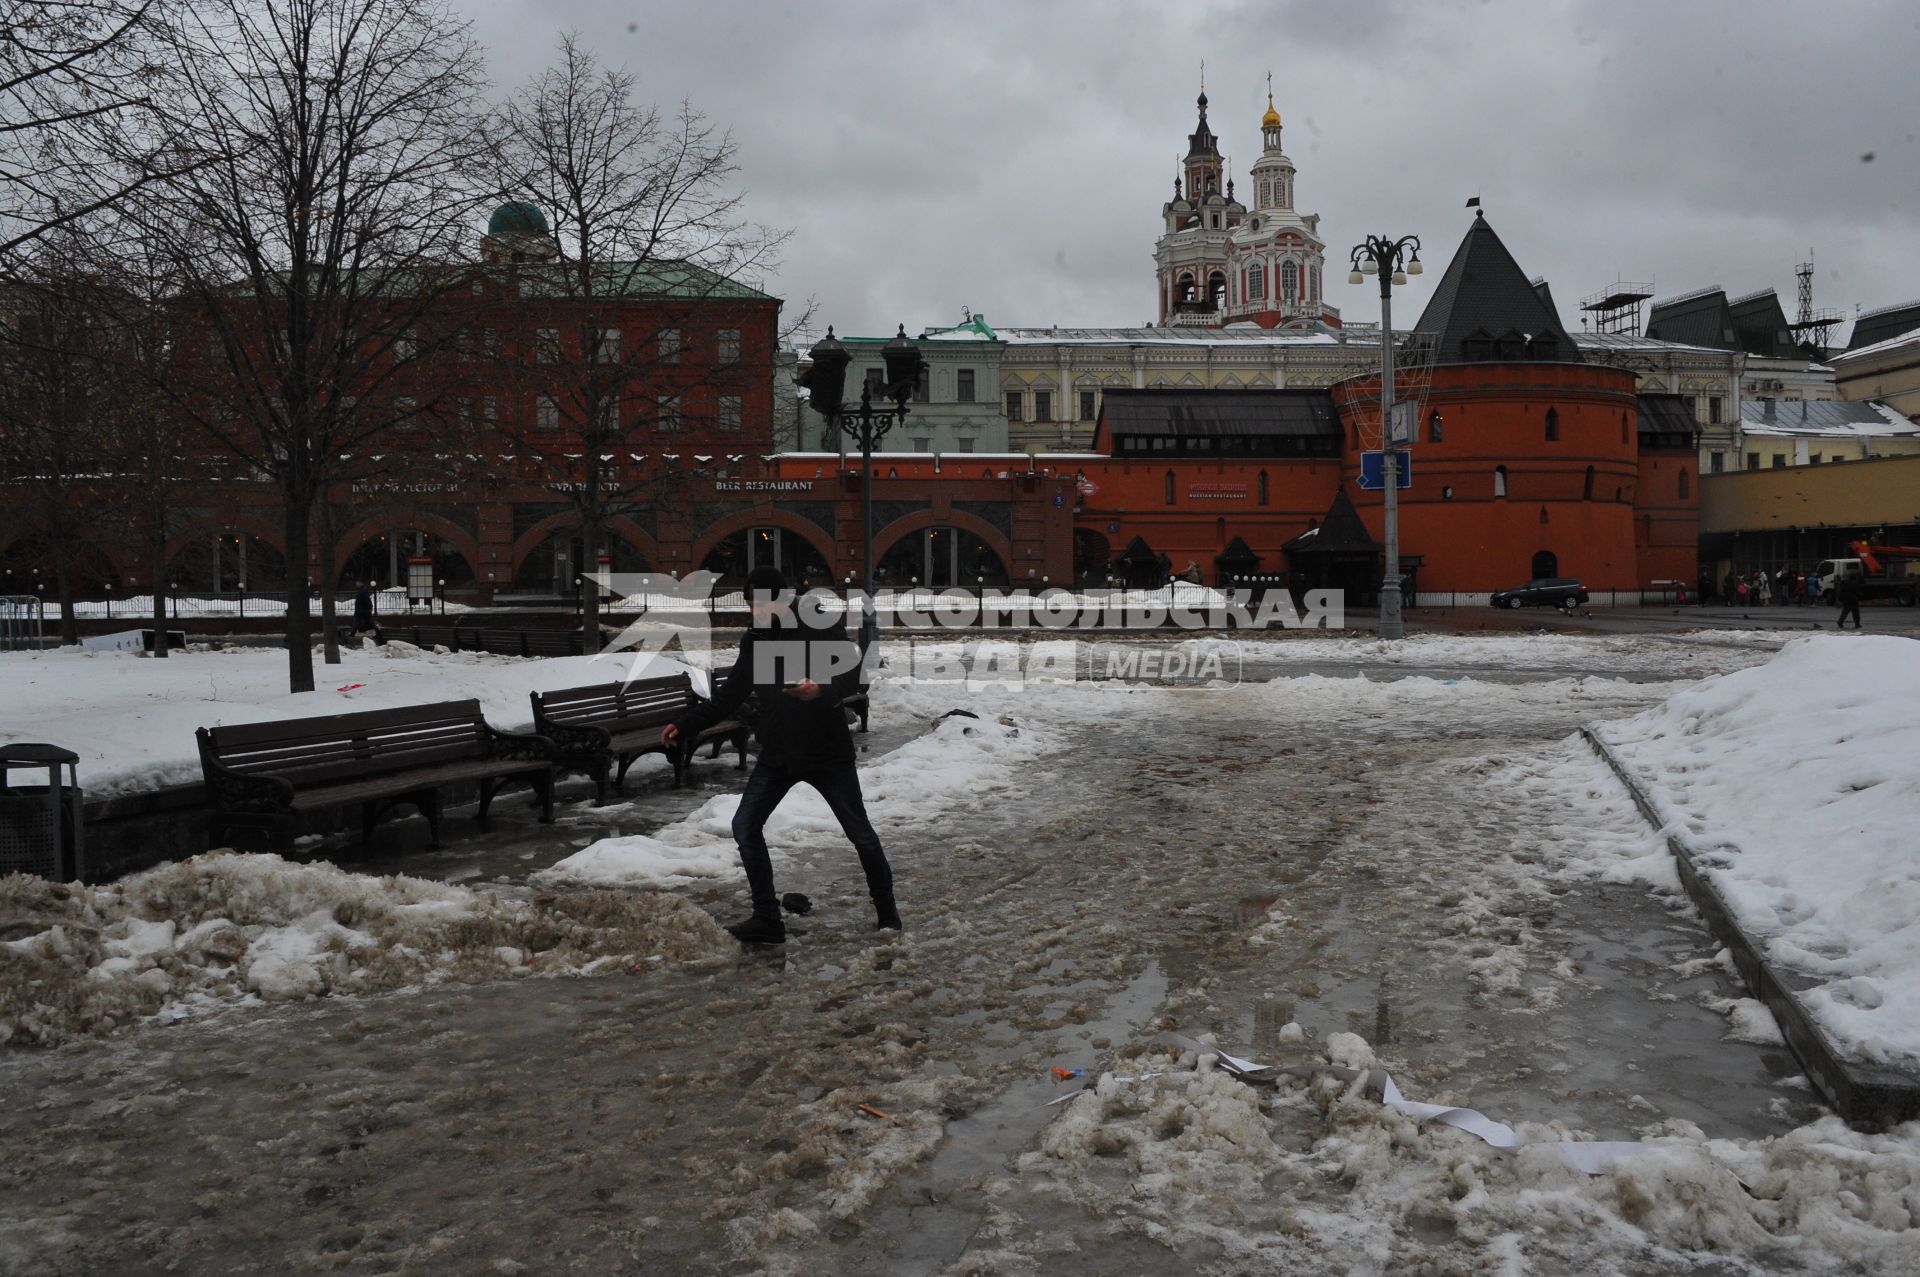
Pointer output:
x,y
63,63
312,197
635,229
52,449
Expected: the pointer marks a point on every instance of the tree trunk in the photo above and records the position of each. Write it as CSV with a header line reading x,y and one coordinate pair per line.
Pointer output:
x,y
158,568
299,618
591,523
63,590
329,627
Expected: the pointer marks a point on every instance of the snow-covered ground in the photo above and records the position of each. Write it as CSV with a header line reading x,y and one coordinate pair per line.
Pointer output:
x,y
963,760
1797,786
1427,870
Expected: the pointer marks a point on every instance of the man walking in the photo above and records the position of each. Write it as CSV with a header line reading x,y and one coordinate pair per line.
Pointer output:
x,y
1847,591
802,664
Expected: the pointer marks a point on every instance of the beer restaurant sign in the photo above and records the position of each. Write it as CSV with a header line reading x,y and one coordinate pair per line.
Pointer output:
x,y
1217,491
763,485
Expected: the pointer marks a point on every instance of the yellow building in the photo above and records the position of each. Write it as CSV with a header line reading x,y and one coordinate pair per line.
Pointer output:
x,y
1795,516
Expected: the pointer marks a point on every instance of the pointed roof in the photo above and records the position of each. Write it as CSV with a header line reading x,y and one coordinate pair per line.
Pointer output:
x,y
1237,551
1483,297
1201,142
1341,532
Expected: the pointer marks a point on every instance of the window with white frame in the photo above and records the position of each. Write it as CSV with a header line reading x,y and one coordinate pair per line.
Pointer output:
x,y
609,346
965,444
1257,281
1013,405
669,345
667,412
1289,281
726,345
546,413
546,345
729,415
610,413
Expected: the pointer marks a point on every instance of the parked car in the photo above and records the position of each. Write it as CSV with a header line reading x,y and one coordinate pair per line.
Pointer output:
x,y
1548,591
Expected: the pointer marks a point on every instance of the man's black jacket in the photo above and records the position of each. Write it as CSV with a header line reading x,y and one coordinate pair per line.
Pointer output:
x,y
795,734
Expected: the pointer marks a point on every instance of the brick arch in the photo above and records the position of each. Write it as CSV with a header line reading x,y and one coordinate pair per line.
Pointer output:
x,y
251,524
885,538
353,537
733,523
621,526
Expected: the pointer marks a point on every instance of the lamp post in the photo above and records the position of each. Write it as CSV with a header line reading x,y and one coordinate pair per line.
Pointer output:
x,y
1392,260
825,383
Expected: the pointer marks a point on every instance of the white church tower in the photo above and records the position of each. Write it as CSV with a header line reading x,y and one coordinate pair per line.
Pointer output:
x,y
1219,262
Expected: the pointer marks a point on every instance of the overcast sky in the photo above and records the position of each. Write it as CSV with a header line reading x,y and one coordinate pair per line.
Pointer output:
x,y
1013,157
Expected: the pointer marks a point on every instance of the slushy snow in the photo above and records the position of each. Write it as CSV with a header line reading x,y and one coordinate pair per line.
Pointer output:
x,y
222,928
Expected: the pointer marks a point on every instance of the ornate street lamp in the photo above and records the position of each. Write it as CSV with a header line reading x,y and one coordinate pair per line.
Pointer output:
x,y
1392,260
825,383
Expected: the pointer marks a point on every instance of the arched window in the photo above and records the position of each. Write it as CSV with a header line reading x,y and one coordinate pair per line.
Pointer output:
x,y
1623,427
1169,487
1266,192
1553,425
1586,493
1256,281
1686,484
1185,291
1262,498
1217,290
1499,481
1289,281
1313,288
1436,427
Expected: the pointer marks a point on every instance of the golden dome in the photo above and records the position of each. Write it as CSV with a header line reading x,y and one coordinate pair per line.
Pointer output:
x,y
1271,120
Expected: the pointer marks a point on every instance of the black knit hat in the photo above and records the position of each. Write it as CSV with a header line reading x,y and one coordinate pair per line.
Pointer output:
x,y
767,579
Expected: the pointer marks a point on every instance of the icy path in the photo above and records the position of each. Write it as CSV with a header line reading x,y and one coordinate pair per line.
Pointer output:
x,y
1400,861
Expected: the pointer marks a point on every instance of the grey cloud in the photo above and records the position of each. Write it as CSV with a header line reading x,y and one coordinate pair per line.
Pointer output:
x,y
1013,157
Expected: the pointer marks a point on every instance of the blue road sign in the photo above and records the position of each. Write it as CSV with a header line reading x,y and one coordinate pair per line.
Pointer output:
x,y
1373,469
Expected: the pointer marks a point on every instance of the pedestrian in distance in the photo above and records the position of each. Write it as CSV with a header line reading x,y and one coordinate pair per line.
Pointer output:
x,y
1847,592
1763,590
1813,589
363,624
799,664
1740,590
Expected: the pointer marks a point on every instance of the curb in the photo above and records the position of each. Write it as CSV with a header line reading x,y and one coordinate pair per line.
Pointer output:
x,y
1868,1096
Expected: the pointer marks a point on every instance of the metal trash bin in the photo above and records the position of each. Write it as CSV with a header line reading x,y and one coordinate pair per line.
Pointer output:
x,y
41,826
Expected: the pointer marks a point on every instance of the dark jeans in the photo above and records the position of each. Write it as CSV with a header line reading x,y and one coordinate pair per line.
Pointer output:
x,y
839,784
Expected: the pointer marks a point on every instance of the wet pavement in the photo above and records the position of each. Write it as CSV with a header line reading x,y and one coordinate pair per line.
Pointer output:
x,y
1210,861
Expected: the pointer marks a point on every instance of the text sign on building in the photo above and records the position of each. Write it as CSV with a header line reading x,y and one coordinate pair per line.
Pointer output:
x,y
1373,469
1217,491
763,485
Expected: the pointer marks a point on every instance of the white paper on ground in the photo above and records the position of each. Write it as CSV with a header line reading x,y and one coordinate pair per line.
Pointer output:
x,y
1593,1157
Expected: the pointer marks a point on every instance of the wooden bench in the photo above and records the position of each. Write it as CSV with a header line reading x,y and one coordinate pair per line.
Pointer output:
x,y
265,775
593,727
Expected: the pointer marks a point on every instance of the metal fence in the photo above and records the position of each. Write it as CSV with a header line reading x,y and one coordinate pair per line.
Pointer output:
x,y
261,604
22,622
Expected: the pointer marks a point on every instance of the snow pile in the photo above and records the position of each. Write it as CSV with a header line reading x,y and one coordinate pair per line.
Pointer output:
x,y
1316,1176
1797,786
960,760
131,718
78,961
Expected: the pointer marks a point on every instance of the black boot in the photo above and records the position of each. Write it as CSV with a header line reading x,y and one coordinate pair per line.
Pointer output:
x,y
888,915
759,930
